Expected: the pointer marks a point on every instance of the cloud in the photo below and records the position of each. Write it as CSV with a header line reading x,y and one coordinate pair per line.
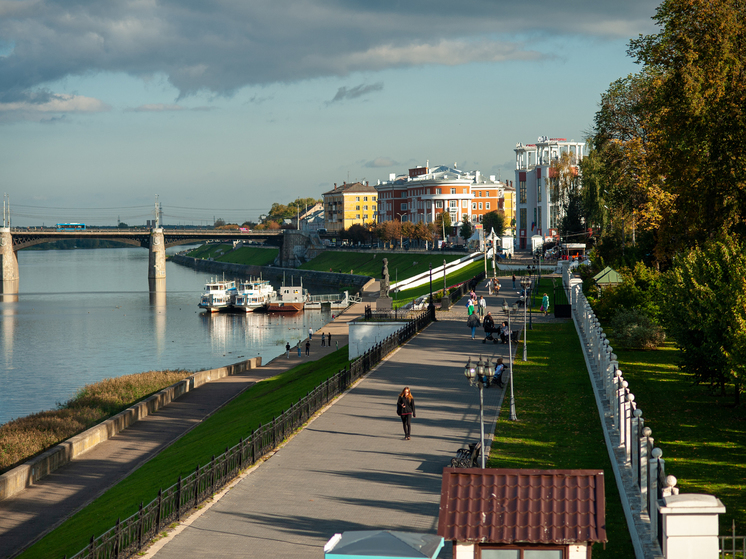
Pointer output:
x,y
355,92
220,46
44,106
162,108
381,162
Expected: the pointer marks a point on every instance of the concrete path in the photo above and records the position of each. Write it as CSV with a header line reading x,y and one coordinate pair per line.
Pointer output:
x,y
26,517
350,469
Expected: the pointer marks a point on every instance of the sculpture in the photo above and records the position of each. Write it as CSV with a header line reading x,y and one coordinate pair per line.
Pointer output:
x,y
385,278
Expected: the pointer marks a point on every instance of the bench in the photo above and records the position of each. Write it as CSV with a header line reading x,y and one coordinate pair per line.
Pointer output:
x,y
467,457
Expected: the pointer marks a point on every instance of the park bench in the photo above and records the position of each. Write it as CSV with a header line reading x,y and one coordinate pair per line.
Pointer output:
x,y
467,457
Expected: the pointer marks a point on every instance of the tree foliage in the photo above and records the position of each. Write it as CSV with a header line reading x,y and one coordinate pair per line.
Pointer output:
x,y
705,312
466,230
494,220
279,212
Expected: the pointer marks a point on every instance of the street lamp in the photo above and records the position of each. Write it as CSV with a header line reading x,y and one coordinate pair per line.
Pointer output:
x,y
401,234
431,306
525,283
532,272
508,310
480,375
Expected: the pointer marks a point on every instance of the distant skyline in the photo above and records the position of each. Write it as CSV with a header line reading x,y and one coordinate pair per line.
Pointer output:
x,y
222,108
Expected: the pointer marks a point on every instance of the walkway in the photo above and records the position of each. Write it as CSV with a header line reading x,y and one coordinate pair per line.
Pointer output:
x,y
350,469
26,517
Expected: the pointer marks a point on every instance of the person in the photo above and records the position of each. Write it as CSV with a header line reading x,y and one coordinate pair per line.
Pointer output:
x,y
323,340
482,306
308,347
545,304
470,308
513,281
310,333
287,350
504,332
405,410
329,339
298,346
496,288
499,369
489,326
473,322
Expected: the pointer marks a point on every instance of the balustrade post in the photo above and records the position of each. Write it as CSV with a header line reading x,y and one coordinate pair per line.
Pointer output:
x,y
196,487
602,343
628,405
613,367
637,424
117,537
614,398
653,472
646,444
622,412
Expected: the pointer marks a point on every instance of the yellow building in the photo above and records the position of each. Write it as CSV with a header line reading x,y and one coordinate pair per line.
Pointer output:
x,y
350,204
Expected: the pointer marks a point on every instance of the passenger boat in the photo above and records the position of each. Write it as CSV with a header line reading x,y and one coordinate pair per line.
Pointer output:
x,y
217,295
252,294
288,299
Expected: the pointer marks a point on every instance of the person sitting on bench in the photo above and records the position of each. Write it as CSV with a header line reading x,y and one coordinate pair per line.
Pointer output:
x,y
499,369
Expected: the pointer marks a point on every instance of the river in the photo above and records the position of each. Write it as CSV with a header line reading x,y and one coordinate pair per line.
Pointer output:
x,y
85,315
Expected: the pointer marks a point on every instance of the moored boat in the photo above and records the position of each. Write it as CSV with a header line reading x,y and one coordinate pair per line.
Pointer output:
x,y
217,295
253,294
290,298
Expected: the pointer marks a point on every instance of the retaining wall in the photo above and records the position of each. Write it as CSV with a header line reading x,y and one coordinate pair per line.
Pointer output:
x,y
23,476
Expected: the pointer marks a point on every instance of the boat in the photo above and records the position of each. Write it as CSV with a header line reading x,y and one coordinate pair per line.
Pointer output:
x,y
290,298
217,295
252,294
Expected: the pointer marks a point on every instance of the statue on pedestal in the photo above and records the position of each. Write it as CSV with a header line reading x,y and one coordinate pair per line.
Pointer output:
x,y
385,278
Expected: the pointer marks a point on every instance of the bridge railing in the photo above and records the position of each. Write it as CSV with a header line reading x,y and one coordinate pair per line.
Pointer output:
x,y
129,536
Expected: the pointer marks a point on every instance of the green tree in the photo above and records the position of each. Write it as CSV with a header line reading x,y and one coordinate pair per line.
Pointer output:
x,y
494,220
466,229
443,223
705,312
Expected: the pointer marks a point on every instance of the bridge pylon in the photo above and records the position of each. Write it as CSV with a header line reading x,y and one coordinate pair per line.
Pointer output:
x,y
157,261
8,263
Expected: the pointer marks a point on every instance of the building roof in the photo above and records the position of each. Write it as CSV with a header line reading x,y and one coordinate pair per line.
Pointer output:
x,y
522,506
348,188
608,276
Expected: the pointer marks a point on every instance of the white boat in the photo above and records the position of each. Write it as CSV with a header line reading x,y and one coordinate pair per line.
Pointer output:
x,y
288,299
217,295
252,294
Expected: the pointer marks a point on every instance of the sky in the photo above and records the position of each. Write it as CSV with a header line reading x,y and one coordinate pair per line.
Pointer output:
x,y
220,108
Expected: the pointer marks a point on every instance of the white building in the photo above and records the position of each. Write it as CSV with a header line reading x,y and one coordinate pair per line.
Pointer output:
x,y
536,212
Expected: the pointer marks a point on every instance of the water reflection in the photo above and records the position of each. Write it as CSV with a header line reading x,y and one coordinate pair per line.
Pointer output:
x,y
7,332
158,314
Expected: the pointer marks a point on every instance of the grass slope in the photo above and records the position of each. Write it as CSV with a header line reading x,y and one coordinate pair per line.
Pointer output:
x,y
369,263
464,274
701,434
247,255
257,405
558,426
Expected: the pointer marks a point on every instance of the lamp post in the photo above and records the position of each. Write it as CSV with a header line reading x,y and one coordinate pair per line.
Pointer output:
x,y
507,310
531,286
431,306
480,375
525,283
401,235
444,278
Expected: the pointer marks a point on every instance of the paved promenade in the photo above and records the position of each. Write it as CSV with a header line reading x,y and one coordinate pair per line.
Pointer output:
x,y
350,469
26,517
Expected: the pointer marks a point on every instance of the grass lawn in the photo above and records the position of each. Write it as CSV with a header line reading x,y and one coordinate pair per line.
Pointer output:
x,y
464,274
255,406
558,426
701,434
248,255
369,263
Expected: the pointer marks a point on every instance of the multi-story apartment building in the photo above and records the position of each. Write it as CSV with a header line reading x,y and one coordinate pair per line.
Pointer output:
x,y
537,213
350,204
424,193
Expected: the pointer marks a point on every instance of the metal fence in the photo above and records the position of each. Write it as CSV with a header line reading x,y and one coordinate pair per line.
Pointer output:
x,y
732,547
128,537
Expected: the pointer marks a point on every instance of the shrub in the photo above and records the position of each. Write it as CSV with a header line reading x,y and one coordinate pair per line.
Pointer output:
x,y
635,329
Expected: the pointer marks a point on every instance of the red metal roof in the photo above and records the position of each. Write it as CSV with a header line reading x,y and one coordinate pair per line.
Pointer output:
x,y
522,506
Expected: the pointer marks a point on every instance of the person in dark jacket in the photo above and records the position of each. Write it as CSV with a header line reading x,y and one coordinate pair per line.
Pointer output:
x,y
405,410
489,326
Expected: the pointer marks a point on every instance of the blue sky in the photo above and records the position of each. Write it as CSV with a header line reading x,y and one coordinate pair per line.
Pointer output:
x,y
222,108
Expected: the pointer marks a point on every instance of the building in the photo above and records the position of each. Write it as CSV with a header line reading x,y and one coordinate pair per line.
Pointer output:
x,y
542,514
350,204
423,193
537,213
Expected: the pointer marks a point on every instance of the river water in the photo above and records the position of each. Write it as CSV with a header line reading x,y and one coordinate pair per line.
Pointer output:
x,y
86,315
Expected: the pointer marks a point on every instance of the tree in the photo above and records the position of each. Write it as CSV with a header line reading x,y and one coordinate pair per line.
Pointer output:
x,y
466,229
356,233
219,222
705,312
443,223
494,220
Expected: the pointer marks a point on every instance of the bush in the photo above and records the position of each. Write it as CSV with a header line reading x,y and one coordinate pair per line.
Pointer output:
x,y
635,329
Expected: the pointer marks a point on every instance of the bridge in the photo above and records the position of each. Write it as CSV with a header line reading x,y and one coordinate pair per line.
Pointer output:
x,y
155,240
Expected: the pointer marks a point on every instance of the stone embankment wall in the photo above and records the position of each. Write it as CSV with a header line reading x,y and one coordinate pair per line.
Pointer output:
x,y
23,476
311,279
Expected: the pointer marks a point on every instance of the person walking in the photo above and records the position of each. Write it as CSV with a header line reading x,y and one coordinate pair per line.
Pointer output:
x,y
323,340
308,347
405,410
329,339
513,280
472,322
298,348
470,308
499,369
482,306
287,350
310,333
545,304
489,326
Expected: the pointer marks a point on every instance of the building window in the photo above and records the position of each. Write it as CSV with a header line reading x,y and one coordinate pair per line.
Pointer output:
x,y
538,190
357,216
522,187
480,205
473,205
453,191
465,204
404,206
365,198
366,216
438,203
437,191
365,207
453,204
524,218
486,205
357,198
357,207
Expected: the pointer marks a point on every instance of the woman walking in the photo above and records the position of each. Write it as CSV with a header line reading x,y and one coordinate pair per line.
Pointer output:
x,y
545,304
405,410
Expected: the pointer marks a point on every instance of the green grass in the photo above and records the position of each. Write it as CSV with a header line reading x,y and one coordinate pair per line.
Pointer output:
x,y
701,434
558,426
254,256
464,274
369,263
257,405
